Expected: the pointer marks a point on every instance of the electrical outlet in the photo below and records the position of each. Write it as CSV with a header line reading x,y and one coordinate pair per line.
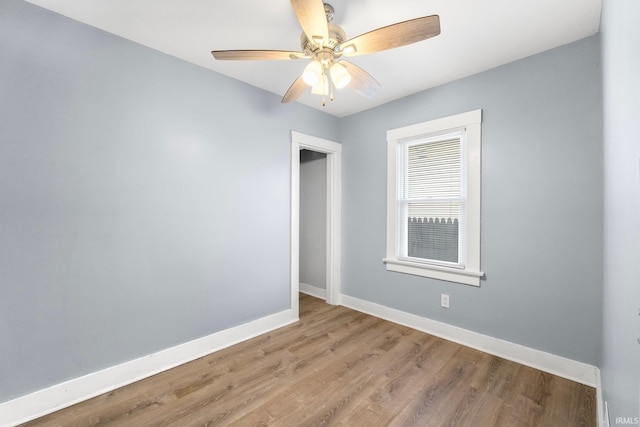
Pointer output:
x,y
444,300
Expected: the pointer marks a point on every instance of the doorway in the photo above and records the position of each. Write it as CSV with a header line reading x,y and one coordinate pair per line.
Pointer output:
x,y
313,223
331,154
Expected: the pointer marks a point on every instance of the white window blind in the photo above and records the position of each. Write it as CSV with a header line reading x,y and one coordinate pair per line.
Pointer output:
x,y
432,200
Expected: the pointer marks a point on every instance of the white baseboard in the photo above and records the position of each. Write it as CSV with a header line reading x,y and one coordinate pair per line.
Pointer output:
x,y
557,365
34,405
313,291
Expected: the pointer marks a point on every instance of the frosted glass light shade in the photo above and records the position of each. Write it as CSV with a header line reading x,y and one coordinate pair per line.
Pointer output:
x,y
312,74
339,75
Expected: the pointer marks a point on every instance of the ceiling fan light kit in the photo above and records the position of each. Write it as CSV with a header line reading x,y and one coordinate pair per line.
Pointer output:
x,y
325,44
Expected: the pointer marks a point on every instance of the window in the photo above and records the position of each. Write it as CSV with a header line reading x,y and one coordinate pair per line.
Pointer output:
x,y
433,207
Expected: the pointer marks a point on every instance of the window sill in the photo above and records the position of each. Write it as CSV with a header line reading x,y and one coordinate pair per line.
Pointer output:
x,y
466,276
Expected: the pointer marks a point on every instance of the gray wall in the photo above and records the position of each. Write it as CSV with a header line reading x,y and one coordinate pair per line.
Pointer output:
x,y
138,210
541,203
313,218
621,344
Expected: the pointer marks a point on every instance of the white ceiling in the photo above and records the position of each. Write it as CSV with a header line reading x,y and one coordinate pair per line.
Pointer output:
x,y
476,35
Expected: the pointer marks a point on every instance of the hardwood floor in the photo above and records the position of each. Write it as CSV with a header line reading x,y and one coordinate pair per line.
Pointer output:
x,y
339,367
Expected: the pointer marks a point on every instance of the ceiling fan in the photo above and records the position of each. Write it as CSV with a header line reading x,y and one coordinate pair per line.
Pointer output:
x,y
325,44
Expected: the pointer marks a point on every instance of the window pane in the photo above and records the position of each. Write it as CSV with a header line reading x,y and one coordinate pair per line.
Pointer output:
x,y
434,169
433,230
433,240
432,205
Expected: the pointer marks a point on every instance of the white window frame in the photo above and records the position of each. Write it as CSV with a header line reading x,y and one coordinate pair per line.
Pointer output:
x,y
471,122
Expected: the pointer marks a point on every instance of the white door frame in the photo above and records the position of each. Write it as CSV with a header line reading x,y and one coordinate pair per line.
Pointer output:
x,y
333,150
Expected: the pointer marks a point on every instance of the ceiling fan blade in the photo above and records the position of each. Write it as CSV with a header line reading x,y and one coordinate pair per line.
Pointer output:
x,y
361,81
257,54
297,88
392,36
312,19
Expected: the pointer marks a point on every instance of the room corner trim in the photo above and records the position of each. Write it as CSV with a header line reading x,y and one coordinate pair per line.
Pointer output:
x,y
563,367
59,396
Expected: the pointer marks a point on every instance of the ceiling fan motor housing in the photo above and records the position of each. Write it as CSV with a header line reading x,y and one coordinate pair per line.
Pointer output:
x,y
336,37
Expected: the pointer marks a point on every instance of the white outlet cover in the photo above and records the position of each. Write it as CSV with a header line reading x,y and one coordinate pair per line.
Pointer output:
x,y
444,300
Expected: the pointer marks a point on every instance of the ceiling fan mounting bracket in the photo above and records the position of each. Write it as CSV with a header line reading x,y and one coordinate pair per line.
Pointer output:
x,y
328,11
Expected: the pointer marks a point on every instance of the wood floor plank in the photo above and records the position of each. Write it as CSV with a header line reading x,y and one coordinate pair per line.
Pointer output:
x,y
339,367
341,364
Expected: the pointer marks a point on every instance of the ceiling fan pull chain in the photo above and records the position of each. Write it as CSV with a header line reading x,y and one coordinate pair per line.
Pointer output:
x,y
327,90
330,84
